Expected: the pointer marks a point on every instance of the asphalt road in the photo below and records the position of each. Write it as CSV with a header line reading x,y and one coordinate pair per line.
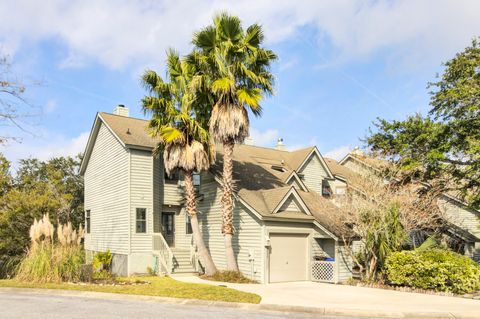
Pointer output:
x,y
28,305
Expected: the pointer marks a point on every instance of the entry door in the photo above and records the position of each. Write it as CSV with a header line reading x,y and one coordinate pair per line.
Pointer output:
x,y
168,227
288,257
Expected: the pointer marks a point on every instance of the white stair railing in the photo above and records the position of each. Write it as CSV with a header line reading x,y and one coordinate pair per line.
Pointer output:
x,y
163,251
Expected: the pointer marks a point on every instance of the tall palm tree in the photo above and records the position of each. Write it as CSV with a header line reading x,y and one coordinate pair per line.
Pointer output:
x,y
179,123
236,67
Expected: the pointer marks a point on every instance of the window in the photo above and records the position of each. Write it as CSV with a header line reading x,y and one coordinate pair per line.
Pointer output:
x,y
87,221
167,223
173,178
188,225
141,221
326,190
196,182
157,222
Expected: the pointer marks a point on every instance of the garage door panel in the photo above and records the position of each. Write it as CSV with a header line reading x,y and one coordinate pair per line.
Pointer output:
x,y
288,257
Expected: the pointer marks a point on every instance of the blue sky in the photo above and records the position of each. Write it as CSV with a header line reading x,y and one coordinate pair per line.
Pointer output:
x,y
341,63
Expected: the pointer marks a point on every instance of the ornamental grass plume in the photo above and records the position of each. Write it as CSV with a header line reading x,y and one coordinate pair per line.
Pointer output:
x,y
49,260
68,236
41,230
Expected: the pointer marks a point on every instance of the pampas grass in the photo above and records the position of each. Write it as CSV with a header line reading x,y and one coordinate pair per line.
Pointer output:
x,y
50,261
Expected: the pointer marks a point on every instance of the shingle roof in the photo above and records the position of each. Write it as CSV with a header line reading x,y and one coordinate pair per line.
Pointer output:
x,y
130,131
259,173
340,171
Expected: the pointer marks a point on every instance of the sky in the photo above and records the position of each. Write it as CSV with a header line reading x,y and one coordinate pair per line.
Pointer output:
x,y
342,63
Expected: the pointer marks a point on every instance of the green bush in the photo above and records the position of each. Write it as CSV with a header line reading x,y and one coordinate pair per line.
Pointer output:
x,y
102,260
104,275
230,276
436,269
51,263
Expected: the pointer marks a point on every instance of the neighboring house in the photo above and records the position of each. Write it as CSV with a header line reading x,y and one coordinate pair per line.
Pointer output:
x,y
285,229
463,222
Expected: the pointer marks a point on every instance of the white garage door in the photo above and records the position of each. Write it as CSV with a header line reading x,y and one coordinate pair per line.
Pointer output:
x,y
288,257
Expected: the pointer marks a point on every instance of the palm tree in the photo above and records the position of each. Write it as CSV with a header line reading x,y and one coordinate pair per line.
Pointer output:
x,y
178,122
235,66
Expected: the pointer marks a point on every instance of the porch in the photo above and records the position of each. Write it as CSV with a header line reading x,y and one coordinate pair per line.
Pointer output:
x,y
172,242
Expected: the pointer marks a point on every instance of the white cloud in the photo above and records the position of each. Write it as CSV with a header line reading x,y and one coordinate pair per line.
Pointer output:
x,y
339,152
264,138
285,65
130,33
46,147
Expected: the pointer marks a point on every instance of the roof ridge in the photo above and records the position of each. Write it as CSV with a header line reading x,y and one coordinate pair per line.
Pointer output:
x,y
265,147
125,117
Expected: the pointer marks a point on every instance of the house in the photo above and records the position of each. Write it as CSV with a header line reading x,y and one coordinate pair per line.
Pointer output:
x,y
286,229
463,223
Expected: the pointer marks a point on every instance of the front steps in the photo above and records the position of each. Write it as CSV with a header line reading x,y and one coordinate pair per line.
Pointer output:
x,y
181,262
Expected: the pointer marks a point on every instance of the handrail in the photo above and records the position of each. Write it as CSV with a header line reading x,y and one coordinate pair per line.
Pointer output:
x,y
160,245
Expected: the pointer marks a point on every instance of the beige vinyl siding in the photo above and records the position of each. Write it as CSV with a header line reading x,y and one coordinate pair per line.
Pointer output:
x,y
173,194
344,260
293,182
106,194
248,237
313,174
323,247
290,205
141,192
182,239
358,167
157,186
461,216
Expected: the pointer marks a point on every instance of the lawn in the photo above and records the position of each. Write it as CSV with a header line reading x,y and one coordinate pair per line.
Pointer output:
x,y
164,287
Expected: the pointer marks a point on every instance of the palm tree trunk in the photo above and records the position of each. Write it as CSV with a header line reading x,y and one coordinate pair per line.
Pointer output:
x,y
227,205
191,203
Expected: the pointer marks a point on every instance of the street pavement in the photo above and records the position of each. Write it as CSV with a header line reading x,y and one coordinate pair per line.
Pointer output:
x,y
25,305
352,300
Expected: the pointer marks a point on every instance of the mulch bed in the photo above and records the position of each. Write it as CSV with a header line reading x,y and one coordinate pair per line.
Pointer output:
x,y
358,283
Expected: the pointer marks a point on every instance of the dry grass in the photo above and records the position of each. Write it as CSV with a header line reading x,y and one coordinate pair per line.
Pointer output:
x,y
164,287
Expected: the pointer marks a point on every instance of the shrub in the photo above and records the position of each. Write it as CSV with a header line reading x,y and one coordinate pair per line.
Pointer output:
x,y
230,276
51,263
48,261
104,275
436,269
151,271
102,260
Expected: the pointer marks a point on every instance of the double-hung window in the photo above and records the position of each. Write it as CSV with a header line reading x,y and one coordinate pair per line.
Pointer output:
x,y
141,220
87,221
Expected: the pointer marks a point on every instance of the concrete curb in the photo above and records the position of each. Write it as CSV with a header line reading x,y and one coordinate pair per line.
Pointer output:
x,y
322,311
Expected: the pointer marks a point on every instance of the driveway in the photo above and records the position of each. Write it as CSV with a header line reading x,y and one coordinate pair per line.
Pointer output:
x,y
364,300
23,304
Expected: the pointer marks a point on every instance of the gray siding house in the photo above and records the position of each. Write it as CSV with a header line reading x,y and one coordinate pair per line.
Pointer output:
x,y
463,222
285,227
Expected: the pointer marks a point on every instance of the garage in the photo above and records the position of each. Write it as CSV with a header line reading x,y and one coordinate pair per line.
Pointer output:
x,y
288,257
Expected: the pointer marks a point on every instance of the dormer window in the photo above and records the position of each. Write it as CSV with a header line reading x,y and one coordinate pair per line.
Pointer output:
x,y
279,168
326,189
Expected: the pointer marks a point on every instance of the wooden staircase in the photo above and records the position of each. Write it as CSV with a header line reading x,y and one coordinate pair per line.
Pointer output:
x,y
182,263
